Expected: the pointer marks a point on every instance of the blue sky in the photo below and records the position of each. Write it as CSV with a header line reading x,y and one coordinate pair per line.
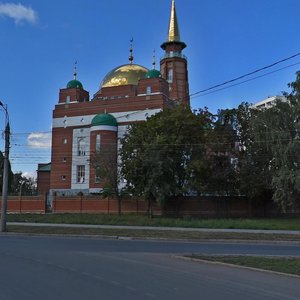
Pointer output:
x,y
40,40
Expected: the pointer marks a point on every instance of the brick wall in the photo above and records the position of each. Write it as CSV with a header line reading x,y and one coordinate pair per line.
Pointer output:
x,y
26,204
208,206
188,206
95,204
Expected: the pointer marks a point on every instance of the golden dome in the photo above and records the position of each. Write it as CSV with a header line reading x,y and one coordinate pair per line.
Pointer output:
x,y
123,75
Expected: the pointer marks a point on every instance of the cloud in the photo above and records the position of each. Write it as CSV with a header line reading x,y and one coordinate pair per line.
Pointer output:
x,y
18,12
39,140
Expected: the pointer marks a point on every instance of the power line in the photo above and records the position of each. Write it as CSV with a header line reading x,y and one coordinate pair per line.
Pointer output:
x,y
256,77
246,75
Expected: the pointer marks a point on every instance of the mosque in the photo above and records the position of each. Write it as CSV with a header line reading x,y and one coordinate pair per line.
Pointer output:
x,y
83,127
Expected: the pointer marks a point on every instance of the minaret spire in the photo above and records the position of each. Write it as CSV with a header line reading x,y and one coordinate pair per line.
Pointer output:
x,y
153,60
173,37
75,70
131,50
173,65
173,34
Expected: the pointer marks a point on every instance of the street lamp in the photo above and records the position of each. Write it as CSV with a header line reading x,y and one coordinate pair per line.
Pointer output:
x,y
5,170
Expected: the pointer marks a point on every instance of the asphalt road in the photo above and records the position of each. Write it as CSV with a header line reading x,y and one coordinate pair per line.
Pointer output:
x,y
78,268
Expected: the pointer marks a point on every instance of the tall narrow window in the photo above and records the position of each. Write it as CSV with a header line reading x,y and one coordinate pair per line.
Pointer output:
x,y
81,145
80,174
98,143
170,76
148,90
97,174
68,98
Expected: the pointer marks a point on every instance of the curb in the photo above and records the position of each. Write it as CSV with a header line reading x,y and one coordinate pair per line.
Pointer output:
x,y
236,266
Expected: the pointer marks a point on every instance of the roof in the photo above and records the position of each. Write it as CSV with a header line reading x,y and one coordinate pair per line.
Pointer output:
x,y
124,75
104,120
74,84
153,74
44,167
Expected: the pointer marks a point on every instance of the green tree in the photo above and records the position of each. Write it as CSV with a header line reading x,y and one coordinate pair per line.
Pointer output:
x,y
223,153
22,184
107,169
255,158
285,142
157,155
270,164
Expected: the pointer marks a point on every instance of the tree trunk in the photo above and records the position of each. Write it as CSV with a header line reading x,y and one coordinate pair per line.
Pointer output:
x,y
119,206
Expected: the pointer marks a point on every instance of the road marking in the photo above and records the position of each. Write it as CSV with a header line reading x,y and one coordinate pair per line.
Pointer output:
x,y
150,295
115,282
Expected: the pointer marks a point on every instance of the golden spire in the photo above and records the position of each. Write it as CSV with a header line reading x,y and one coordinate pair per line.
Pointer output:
x,y
130,56
75,70
173,35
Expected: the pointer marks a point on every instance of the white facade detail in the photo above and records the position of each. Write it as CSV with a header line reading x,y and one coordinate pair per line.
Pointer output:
x,y
80,157
104,127
121,117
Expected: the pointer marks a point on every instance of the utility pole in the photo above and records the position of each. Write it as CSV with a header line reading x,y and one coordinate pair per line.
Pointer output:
x,y
5,171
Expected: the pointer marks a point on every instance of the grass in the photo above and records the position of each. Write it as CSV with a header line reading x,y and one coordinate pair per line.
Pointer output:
x,y
155,234
287,265
141,220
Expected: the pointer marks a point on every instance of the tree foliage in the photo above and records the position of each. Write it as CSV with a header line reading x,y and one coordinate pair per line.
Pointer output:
x,y
108,171
22,185
243,151
270,165
158,155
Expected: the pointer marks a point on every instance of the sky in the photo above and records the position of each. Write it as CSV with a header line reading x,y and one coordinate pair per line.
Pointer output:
x,y
41,40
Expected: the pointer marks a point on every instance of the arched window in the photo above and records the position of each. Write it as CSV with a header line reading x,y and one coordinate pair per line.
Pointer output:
x,y
81,147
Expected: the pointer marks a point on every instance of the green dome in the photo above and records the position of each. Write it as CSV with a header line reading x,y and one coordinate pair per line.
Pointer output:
x,y
74,84
153,74
104,120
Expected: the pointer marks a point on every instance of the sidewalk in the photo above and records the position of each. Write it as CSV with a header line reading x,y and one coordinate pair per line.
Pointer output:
x,y
182,229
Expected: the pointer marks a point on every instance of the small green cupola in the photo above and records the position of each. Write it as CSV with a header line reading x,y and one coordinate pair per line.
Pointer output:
x,y
153,73
74,84
104,120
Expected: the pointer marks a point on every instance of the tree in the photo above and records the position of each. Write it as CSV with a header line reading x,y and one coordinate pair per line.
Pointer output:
x,y
285,139
255,156
108,170
157,155
270,165
222,154
22,184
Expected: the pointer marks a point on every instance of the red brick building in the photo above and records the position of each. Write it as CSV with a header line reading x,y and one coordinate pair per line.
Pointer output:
x,y
129,93
43,178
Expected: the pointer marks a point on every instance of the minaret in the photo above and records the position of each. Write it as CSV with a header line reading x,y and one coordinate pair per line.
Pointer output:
x,y
173,66
74,91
